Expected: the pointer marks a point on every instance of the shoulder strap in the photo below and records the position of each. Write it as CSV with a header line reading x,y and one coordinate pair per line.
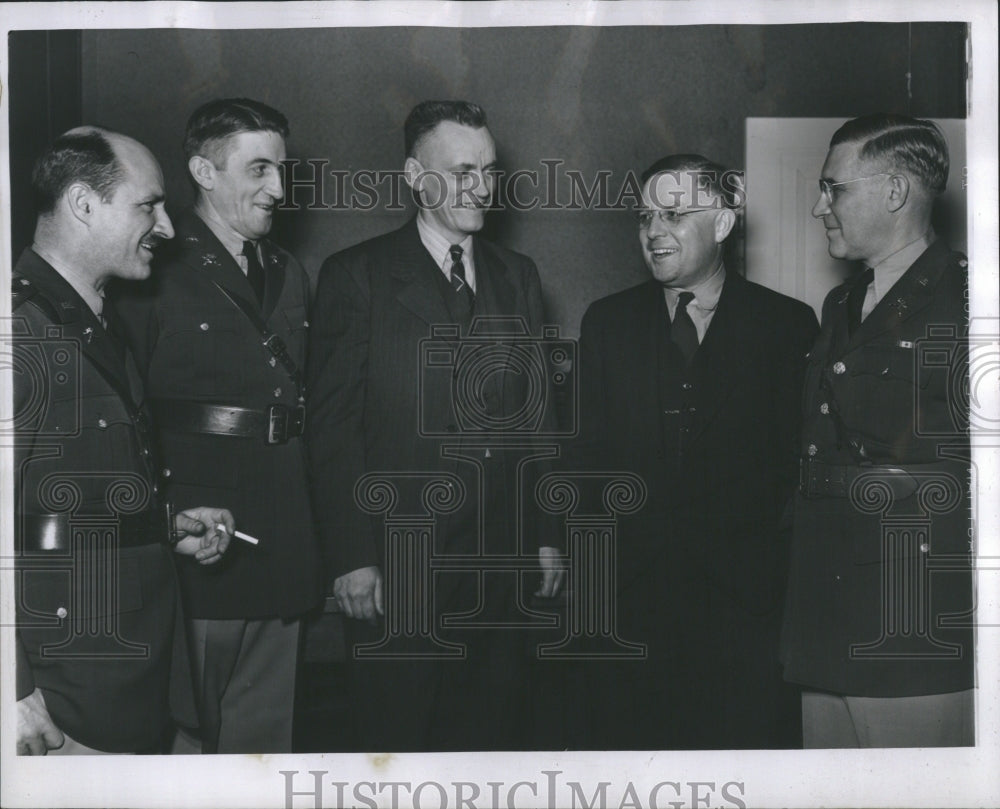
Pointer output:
x,y
22,291
272,342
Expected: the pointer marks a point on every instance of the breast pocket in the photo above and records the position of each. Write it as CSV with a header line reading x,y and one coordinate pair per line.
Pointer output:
x,y
201,349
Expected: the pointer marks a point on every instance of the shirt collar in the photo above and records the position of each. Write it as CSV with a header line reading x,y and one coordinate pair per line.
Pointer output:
x,y
438,246
82,287
893,267
706,294
230,239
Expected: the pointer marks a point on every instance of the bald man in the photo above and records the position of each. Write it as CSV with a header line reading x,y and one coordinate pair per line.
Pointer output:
x,y
97,606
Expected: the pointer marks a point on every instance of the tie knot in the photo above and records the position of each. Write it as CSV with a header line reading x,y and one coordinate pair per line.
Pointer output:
x,y
684,298
456,252
249,249
866,277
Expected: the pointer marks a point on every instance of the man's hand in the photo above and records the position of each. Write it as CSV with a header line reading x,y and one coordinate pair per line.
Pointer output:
x,y
36,732
552,563
202,538
359,593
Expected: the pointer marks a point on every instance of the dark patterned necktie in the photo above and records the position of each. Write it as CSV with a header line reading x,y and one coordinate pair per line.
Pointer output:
x,y
255,272
458,282
856,299
682,330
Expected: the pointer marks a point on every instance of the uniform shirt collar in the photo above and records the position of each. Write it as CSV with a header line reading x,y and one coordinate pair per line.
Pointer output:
x,y
83,287
229,238
438,246
893,267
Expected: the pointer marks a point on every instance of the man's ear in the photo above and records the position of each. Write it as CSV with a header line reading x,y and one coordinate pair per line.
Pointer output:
x,y
411,173
725,221
81,200
203,171
899,190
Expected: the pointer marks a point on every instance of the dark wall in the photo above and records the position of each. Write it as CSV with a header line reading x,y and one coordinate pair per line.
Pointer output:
x,y
599,99
45,90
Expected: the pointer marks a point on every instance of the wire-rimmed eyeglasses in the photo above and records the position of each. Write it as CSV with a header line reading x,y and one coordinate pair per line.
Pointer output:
x,y
670,216
826,187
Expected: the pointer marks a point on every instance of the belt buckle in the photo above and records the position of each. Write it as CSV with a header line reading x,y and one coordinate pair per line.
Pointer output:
x,y
277,424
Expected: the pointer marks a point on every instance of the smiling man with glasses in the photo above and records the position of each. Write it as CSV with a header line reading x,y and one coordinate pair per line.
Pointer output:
x,y
867,629
692,381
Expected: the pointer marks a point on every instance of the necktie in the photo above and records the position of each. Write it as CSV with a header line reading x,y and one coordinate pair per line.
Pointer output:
x,y
109,319
458,282
255,272
682,330
856,299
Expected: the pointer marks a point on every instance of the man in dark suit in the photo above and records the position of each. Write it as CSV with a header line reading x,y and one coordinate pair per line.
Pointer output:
x,y
878,621
377,406
692,381
98,627
220,337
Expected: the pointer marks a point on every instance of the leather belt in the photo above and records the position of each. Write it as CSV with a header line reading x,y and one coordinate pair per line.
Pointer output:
x,y
818,479
275,424
54,532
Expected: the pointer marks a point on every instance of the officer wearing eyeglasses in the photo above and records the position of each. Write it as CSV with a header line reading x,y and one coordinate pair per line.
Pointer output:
x,y
692,381
880,565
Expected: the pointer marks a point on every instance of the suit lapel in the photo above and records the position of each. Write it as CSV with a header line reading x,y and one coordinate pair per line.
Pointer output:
x,y
413,272
909,295
719,362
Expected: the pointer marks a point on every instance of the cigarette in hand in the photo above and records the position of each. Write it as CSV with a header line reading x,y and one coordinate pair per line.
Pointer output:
x,y
239,535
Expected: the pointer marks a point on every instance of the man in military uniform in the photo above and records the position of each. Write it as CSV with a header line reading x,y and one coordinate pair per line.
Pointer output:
x,y
220,337
97,607
880,638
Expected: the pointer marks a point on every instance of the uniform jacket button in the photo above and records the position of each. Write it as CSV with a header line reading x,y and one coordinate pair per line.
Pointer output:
x,y
839,367
924,547
272,362
812,449
102,423
61,613
203,327
824,408
166,472
277,392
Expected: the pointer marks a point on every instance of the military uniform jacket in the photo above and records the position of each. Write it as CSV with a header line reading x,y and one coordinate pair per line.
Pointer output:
x,y
386,397
194,345
96,624
891,395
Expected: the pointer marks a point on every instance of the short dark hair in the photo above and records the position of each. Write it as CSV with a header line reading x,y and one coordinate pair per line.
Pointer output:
x,y
710,176
212,123
84,156
428,114
903,144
